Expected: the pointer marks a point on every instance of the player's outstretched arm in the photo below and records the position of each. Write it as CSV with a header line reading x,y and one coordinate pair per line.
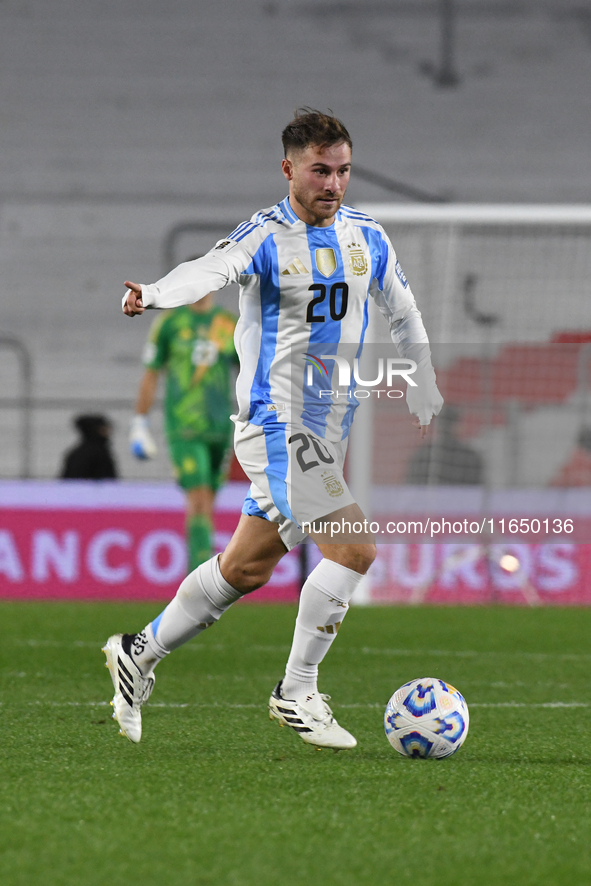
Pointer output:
x,y
132,300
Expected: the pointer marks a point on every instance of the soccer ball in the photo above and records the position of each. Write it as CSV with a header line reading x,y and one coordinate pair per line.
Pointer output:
x,y
426,718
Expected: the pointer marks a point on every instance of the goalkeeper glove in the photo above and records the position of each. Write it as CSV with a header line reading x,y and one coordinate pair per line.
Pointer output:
x,y
141,442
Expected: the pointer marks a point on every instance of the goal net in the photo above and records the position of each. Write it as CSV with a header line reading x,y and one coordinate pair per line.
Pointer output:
x,y
505,295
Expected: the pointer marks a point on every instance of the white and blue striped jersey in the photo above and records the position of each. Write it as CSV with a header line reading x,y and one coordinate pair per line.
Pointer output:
x,y
303,293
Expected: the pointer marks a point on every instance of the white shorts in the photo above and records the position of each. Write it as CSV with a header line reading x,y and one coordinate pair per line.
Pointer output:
x,y
296,477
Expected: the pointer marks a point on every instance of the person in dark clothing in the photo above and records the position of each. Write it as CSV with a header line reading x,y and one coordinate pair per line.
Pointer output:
x,y
91,459
446,461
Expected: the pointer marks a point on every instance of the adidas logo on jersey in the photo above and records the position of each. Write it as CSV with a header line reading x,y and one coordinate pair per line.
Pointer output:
x,y
296,267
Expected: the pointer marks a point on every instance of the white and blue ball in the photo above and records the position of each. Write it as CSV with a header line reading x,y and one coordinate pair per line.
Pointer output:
x,y
426,718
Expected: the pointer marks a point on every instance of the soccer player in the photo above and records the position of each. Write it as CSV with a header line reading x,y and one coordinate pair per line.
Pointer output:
x,y
306,268
194,346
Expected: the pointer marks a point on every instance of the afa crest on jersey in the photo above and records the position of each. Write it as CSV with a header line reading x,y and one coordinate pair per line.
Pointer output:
x,y
357,259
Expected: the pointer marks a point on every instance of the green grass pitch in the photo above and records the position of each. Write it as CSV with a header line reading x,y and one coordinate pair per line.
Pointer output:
x,y
217,794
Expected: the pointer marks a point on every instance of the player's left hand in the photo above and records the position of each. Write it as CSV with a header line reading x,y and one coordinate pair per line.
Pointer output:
x,y
422,428
141,442
424,405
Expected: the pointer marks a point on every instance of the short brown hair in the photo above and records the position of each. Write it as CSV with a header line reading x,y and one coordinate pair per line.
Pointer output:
x,y
311,127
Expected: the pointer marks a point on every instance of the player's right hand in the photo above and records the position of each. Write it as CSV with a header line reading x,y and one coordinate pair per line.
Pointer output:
x,y
141,442
132,300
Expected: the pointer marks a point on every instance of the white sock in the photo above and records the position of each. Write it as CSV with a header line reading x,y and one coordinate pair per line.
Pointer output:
x,y
324,602
201,599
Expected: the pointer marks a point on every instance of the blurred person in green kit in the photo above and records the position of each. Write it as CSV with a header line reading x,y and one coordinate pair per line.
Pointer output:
x,y
194,346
